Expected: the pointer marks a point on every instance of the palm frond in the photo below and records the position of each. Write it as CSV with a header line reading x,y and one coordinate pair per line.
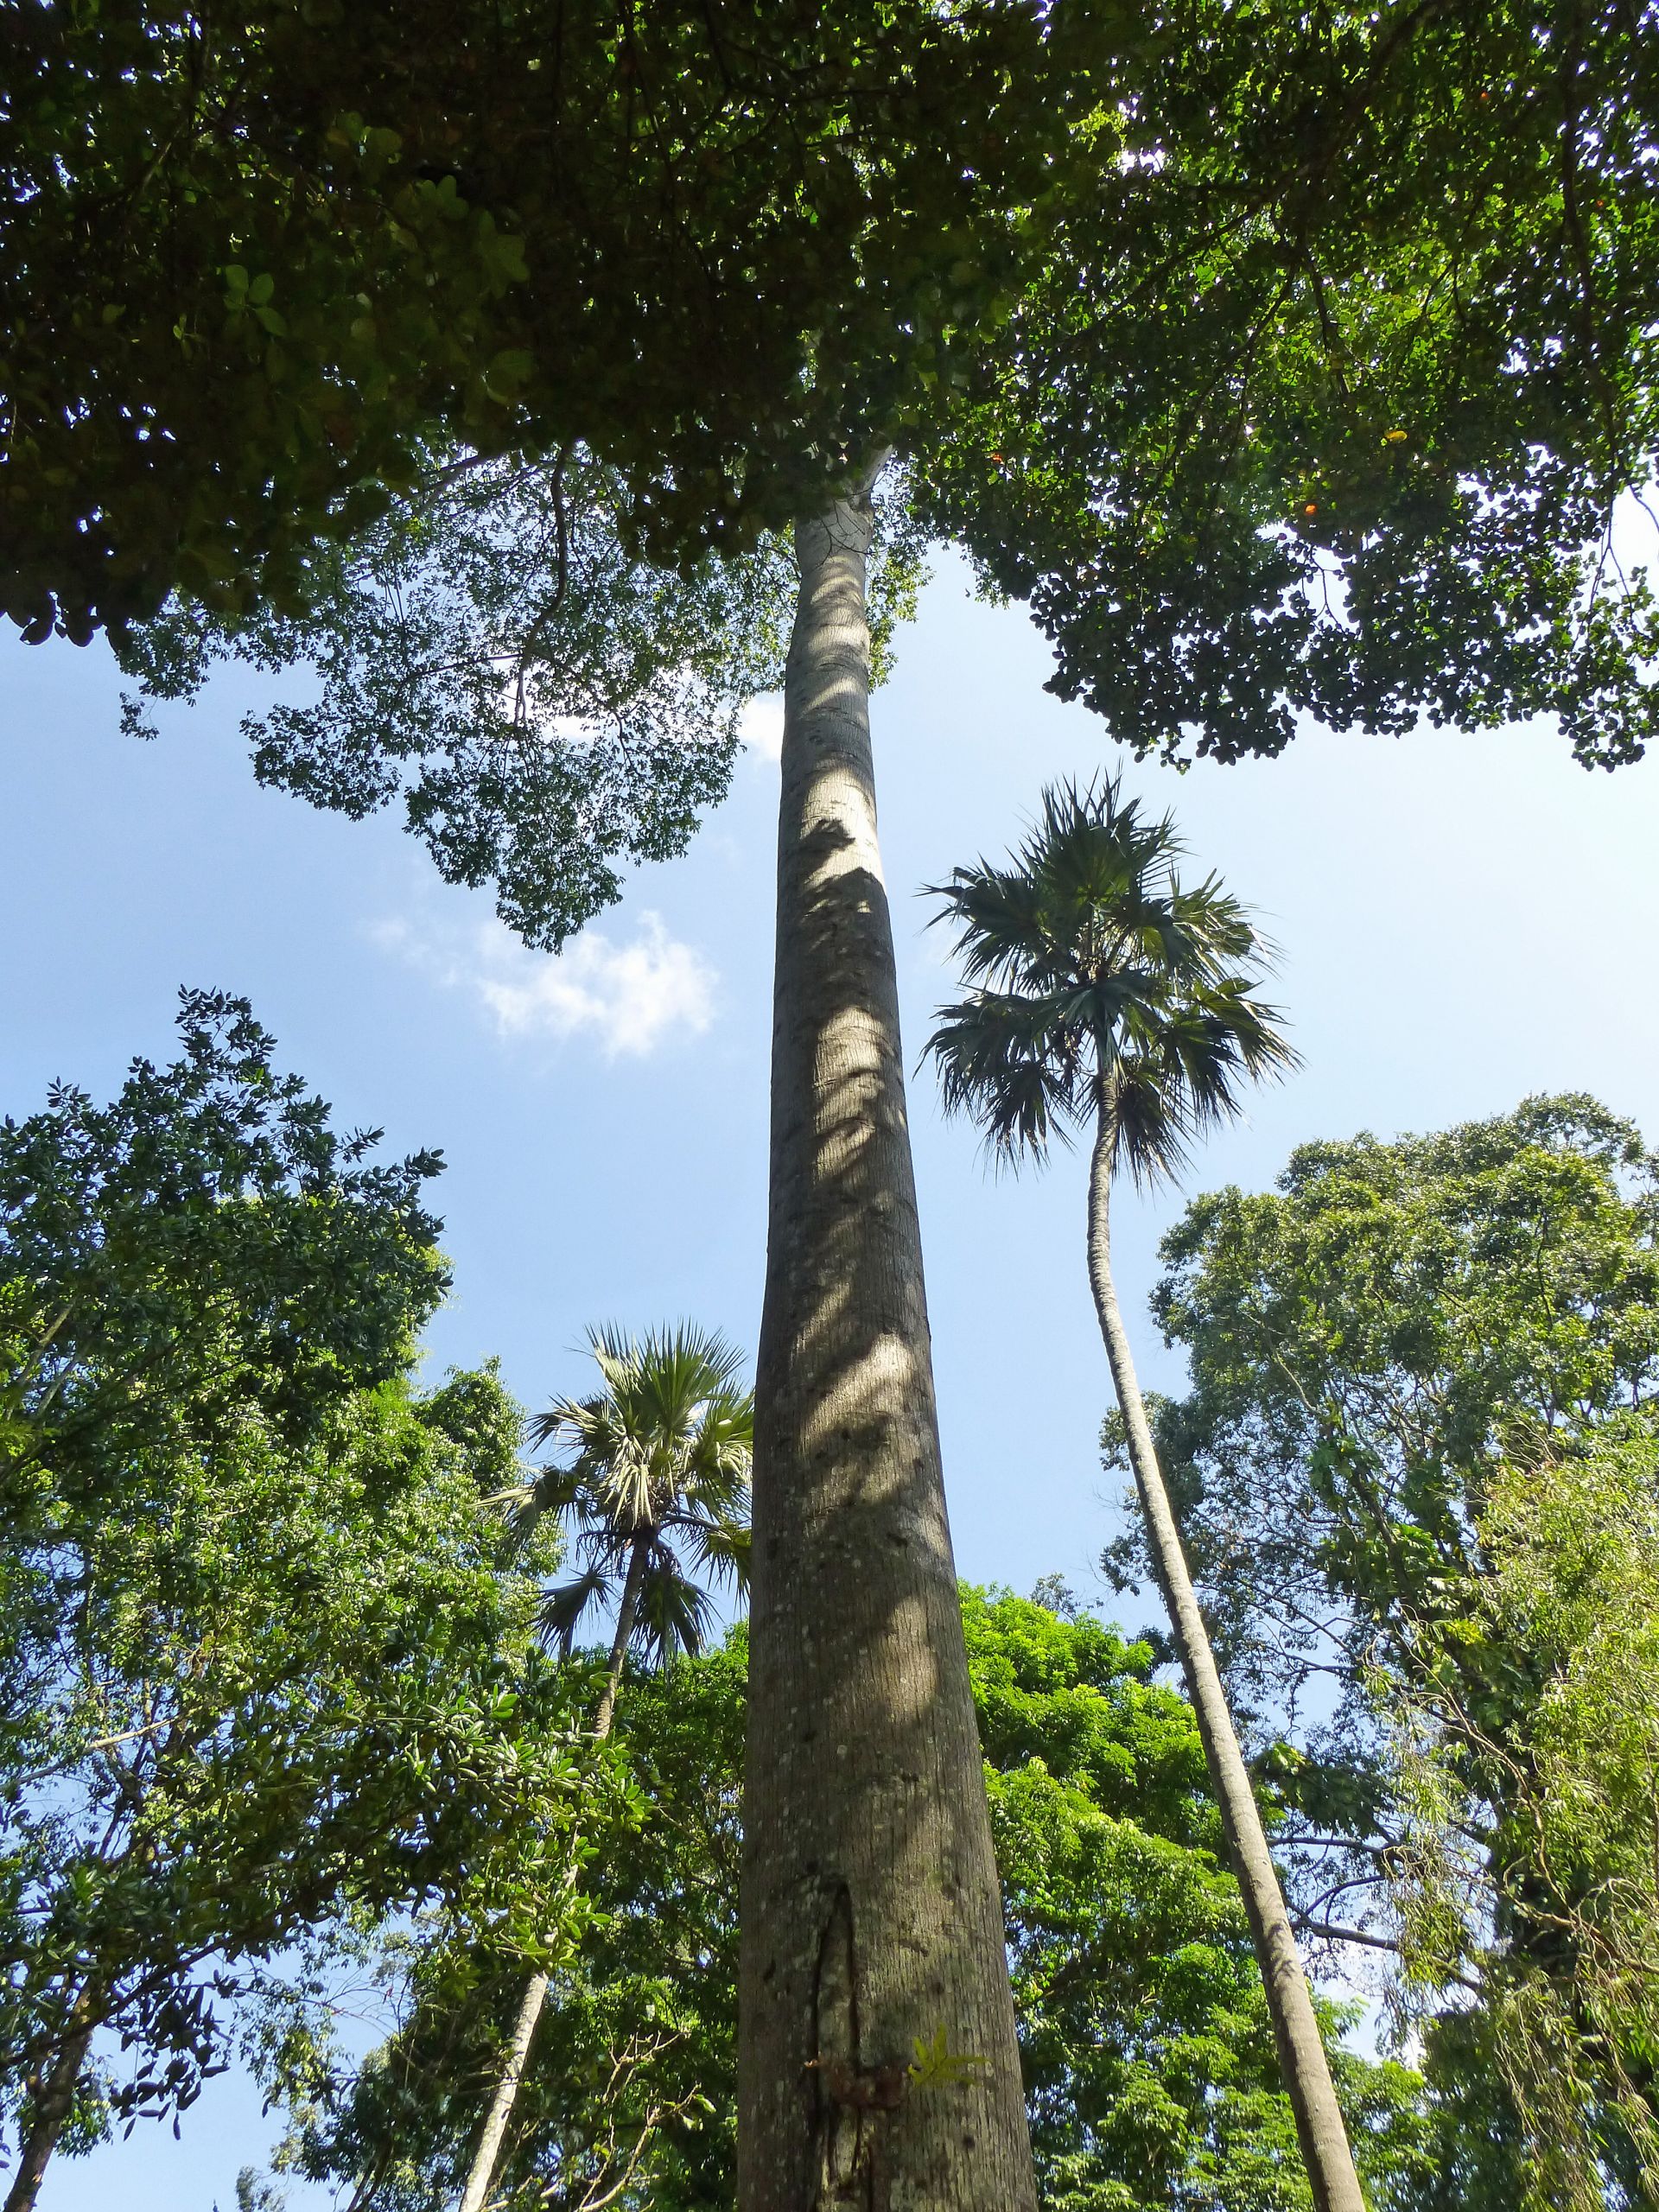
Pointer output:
x,y
662,1451
1011,1063
1151,1126
559,1490
719,1491
721,1548
675,1615
582,1424
1098,977
565,1606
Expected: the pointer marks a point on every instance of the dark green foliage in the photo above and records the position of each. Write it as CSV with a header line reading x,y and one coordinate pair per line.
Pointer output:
x,y
1323,396
1149,2061
261,1669
634,2058
218,321
1151,2074
1417,1465
247,255
208,1240
1284,361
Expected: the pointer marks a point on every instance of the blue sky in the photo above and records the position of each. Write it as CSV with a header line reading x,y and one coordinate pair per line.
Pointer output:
x,y
1463,920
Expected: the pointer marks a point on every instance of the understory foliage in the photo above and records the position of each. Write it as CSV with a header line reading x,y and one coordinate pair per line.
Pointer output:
x,y
263,1673
1419,1471
1149,2061
280,1738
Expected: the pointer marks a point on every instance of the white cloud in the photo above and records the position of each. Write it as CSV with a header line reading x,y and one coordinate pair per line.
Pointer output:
x,y
627,997
761,724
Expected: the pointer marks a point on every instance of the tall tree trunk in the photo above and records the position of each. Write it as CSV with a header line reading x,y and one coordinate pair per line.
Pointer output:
x,y
1301,2053
488,2153
50,2104
871,1912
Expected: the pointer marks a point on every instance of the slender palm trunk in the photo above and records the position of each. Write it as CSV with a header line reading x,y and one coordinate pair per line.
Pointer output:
x,y
488,2153
1301,2053
50,2104
871,1912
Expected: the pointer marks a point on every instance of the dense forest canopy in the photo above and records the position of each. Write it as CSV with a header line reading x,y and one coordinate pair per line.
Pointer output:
x,y
1283,361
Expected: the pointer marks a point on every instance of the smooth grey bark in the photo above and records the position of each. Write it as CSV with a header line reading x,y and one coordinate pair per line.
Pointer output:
x,y
488,2153
1301,2053
871,1913
50,2106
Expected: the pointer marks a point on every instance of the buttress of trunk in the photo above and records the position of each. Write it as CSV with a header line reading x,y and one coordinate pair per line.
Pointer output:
x,y
484,2159
1296,2031
871,1913
50,2107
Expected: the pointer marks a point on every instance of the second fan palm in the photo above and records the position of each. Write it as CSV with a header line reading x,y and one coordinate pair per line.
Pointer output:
x,y
652,1481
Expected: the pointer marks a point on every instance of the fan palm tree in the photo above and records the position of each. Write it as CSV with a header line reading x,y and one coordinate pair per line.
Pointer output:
x,y
653,1480
1106,993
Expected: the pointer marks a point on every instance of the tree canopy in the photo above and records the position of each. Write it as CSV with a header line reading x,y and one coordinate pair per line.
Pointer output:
x,y
262,1666
247,256
208,1243
1284,363
545,704
1417,1467
1325,400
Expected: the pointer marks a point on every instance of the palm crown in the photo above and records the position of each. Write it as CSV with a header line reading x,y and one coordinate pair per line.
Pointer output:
x,y
655,1470
1102,988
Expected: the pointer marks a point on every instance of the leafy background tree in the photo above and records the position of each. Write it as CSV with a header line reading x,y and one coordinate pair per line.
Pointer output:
x,y
1573,1584
1150,2069
1416,1367
261,1669
631,2075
